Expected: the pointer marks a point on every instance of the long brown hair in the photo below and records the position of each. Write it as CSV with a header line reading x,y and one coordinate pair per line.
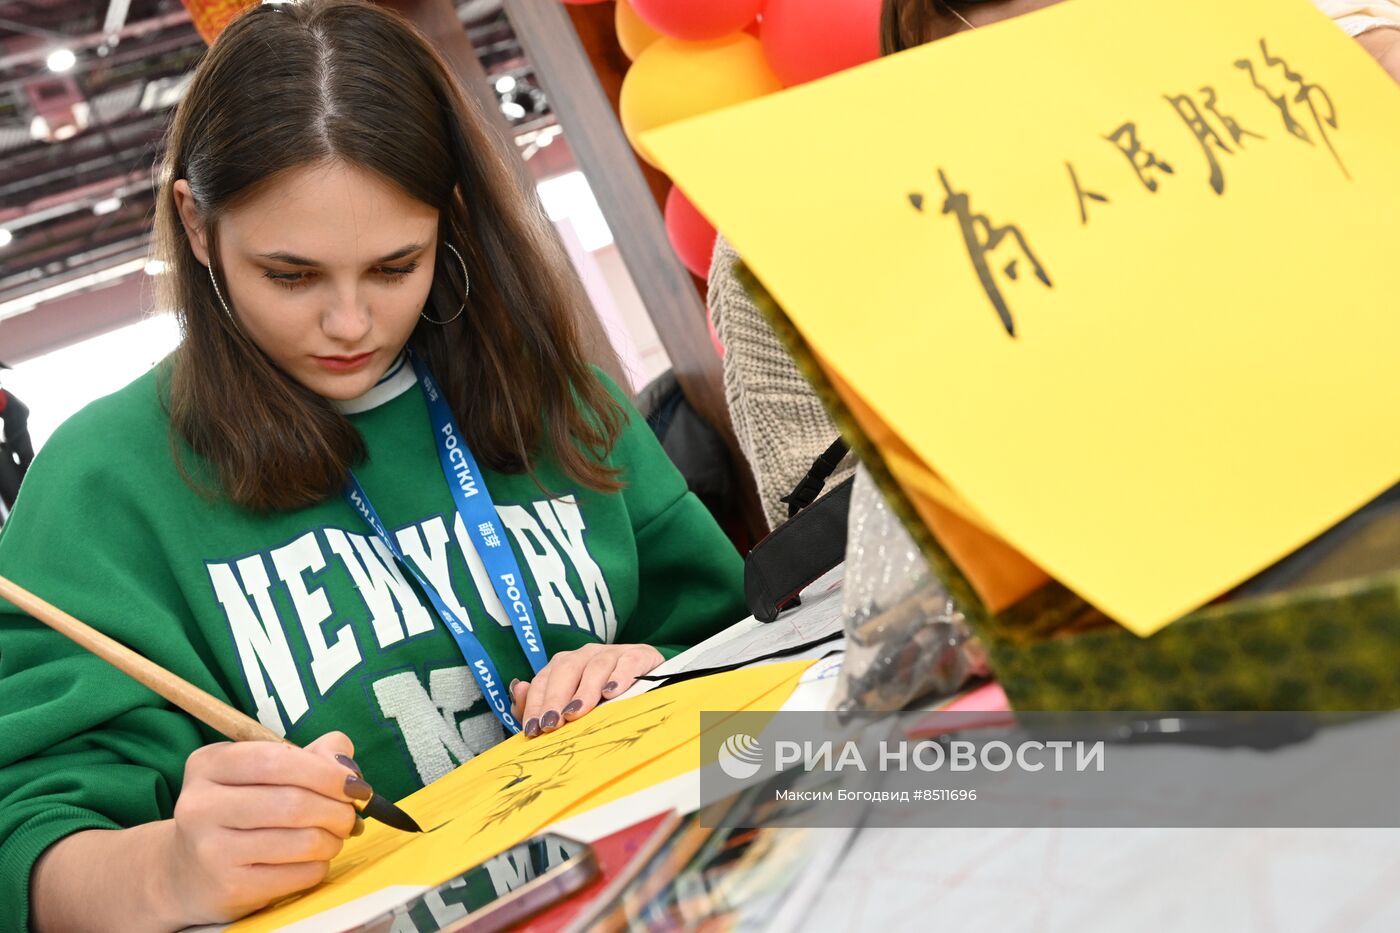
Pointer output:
x,y
300,83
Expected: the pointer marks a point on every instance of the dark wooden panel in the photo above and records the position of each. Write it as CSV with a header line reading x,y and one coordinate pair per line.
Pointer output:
x,y
595,24
629,205
602,151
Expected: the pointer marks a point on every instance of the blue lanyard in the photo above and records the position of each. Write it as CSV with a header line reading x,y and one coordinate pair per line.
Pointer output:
x,y
479,515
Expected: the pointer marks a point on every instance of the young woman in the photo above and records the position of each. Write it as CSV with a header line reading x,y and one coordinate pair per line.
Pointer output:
x,y
375,483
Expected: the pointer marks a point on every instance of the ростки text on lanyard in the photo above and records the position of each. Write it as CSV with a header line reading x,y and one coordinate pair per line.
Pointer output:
x,y
479,515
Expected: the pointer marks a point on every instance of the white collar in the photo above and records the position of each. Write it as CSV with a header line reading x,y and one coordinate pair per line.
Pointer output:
x,y
398,380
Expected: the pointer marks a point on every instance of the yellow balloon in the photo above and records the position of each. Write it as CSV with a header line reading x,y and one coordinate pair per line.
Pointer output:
x,y
673,80
633,33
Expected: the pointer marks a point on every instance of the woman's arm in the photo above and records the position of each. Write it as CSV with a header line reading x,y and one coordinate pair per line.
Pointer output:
x,y
122,870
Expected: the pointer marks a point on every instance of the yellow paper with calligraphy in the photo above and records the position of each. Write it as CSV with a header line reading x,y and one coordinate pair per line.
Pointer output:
x,y
519,787
1195,261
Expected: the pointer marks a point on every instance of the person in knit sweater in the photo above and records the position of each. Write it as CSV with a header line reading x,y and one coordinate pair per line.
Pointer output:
x,y
781,425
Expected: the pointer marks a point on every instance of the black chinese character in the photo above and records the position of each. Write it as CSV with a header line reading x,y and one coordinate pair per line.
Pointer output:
x,y
1083,196
1309,95
1186,108
1142,160
1232,126
981,237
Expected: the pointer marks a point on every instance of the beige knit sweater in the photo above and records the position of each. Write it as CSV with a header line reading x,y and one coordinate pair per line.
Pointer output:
x,y
781,426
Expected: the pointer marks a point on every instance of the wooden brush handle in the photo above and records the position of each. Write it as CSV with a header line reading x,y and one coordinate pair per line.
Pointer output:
x,y
208,709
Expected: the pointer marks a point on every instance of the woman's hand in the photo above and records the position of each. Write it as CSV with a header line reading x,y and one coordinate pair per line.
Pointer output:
x,y
256,821
573,682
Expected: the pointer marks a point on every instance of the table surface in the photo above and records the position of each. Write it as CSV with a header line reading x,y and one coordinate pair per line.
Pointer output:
x,y
1059,879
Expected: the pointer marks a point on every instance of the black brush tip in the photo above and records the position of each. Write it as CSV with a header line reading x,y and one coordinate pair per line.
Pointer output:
x,y
385,812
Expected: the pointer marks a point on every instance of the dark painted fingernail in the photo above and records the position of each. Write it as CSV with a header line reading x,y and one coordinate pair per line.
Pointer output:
x,y
550,722
349,763
532,728
359,827
573,707
357,789
612,685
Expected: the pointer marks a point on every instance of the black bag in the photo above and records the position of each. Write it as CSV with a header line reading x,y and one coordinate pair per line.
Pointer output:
x,y
807,545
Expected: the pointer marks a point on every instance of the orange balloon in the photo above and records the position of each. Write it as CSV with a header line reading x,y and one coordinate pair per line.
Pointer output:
x,y
673,80
633,33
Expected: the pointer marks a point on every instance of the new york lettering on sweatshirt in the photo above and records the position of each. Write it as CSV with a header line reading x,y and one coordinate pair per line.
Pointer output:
x,y
303,618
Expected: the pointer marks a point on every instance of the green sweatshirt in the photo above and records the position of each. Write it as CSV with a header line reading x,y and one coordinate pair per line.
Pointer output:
x,y
302,619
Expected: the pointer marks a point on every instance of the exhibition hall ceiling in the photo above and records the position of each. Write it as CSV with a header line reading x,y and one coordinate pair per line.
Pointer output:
x,y
87,88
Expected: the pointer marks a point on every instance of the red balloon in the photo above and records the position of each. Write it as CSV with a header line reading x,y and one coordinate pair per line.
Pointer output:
x,y
809,39
697,19
690,233
581,2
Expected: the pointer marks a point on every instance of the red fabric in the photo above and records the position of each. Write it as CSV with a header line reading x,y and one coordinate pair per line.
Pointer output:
x,y
4,400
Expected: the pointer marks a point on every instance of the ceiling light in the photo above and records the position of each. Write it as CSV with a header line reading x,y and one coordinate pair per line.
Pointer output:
x,y
61,123
505,84
6,237
163,93
544,139
512,110
116,16
61,60
155,267
106,206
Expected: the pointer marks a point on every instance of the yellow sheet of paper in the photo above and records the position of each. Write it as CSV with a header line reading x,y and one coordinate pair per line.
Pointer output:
x,y
683,758
1207,381
999,573
517,788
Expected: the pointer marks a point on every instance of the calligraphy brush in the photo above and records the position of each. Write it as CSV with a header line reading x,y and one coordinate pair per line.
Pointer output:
x,y
208,709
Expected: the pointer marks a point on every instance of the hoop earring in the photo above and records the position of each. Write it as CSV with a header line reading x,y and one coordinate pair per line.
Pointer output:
x,y
215,282
466,290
